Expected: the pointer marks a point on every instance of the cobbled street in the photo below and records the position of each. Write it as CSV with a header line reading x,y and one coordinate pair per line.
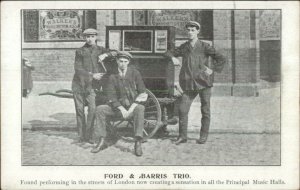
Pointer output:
x,y
60,148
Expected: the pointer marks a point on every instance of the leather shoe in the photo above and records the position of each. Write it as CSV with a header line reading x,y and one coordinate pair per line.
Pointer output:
x,y
173,121
163,131
90,142
203,139
100,146
138,148
180,140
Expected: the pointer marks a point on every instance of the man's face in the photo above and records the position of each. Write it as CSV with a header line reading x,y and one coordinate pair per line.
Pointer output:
x,y
122,63
192,32
27,62
91,39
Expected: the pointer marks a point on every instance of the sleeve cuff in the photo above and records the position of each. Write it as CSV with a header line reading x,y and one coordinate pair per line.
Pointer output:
x,y
141,97
115,104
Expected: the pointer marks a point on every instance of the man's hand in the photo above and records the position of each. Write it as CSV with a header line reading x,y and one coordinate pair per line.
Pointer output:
x,y
98,76
177,90
124,112
102,57
131,109
175,61
208,71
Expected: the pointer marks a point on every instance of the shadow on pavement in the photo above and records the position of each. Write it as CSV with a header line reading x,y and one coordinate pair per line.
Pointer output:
x,y
62,122
64,125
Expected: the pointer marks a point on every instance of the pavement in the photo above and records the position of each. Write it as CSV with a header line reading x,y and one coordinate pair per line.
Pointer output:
x,y
244,131
61,148
229,114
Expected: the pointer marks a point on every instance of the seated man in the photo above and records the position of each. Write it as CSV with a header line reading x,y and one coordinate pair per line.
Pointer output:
x,y
125,91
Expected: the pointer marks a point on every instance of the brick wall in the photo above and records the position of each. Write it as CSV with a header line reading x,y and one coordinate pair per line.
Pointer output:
x,y
51,64
123,17
57,64
222,42
104,18
244,48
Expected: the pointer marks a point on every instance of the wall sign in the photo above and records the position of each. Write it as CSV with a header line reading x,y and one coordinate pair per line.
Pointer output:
x,y
179,18
269,24
175,18
60,25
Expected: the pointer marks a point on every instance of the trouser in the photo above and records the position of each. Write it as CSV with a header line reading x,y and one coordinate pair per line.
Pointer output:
x,y
104,112
85,126
25,93
184,108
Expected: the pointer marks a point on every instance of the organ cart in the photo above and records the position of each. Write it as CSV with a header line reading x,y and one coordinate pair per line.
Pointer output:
x,y
147,44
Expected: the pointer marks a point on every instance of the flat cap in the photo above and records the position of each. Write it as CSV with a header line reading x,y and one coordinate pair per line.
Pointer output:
x,y
90,31
25,59
124,54
193,23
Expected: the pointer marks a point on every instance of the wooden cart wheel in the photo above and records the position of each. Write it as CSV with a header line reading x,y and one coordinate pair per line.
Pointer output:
x,y
152,115
152,120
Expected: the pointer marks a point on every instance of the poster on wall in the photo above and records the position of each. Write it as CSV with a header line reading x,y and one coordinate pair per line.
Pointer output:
x,y
114,39
60,25
269,25
161,40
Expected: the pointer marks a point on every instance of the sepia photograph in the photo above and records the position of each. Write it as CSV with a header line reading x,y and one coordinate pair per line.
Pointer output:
x,y
151,87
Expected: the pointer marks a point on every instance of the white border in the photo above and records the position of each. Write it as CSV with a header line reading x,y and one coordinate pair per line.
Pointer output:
x,y
12,171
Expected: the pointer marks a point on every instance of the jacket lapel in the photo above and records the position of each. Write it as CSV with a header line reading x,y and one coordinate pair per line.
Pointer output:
x,y
197,46
87,54
128,73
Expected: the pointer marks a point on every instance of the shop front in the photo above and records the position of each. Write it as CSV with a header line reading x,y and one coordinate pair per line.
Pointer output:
x,y
250,39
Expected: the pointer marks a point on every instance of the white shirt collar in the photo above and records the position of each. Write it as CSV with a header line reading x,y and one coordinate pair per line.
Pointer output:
x,y
122,73
193,42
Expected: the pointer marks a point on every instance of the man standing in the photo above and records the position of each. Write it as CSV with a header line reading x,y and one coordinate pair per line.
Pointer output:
x,y
27,83
196,77
126,92
88,73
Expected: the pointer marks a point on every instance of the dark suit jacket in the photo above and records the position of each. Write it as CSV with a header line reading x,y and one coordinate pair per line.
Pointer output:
x,y
124,90
86,62
194,61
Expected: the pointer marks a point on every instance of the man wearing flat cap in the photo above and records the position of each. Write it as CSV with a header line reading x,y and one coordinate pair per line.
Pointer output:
x,y
126,94
27,83
195,78
87,79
